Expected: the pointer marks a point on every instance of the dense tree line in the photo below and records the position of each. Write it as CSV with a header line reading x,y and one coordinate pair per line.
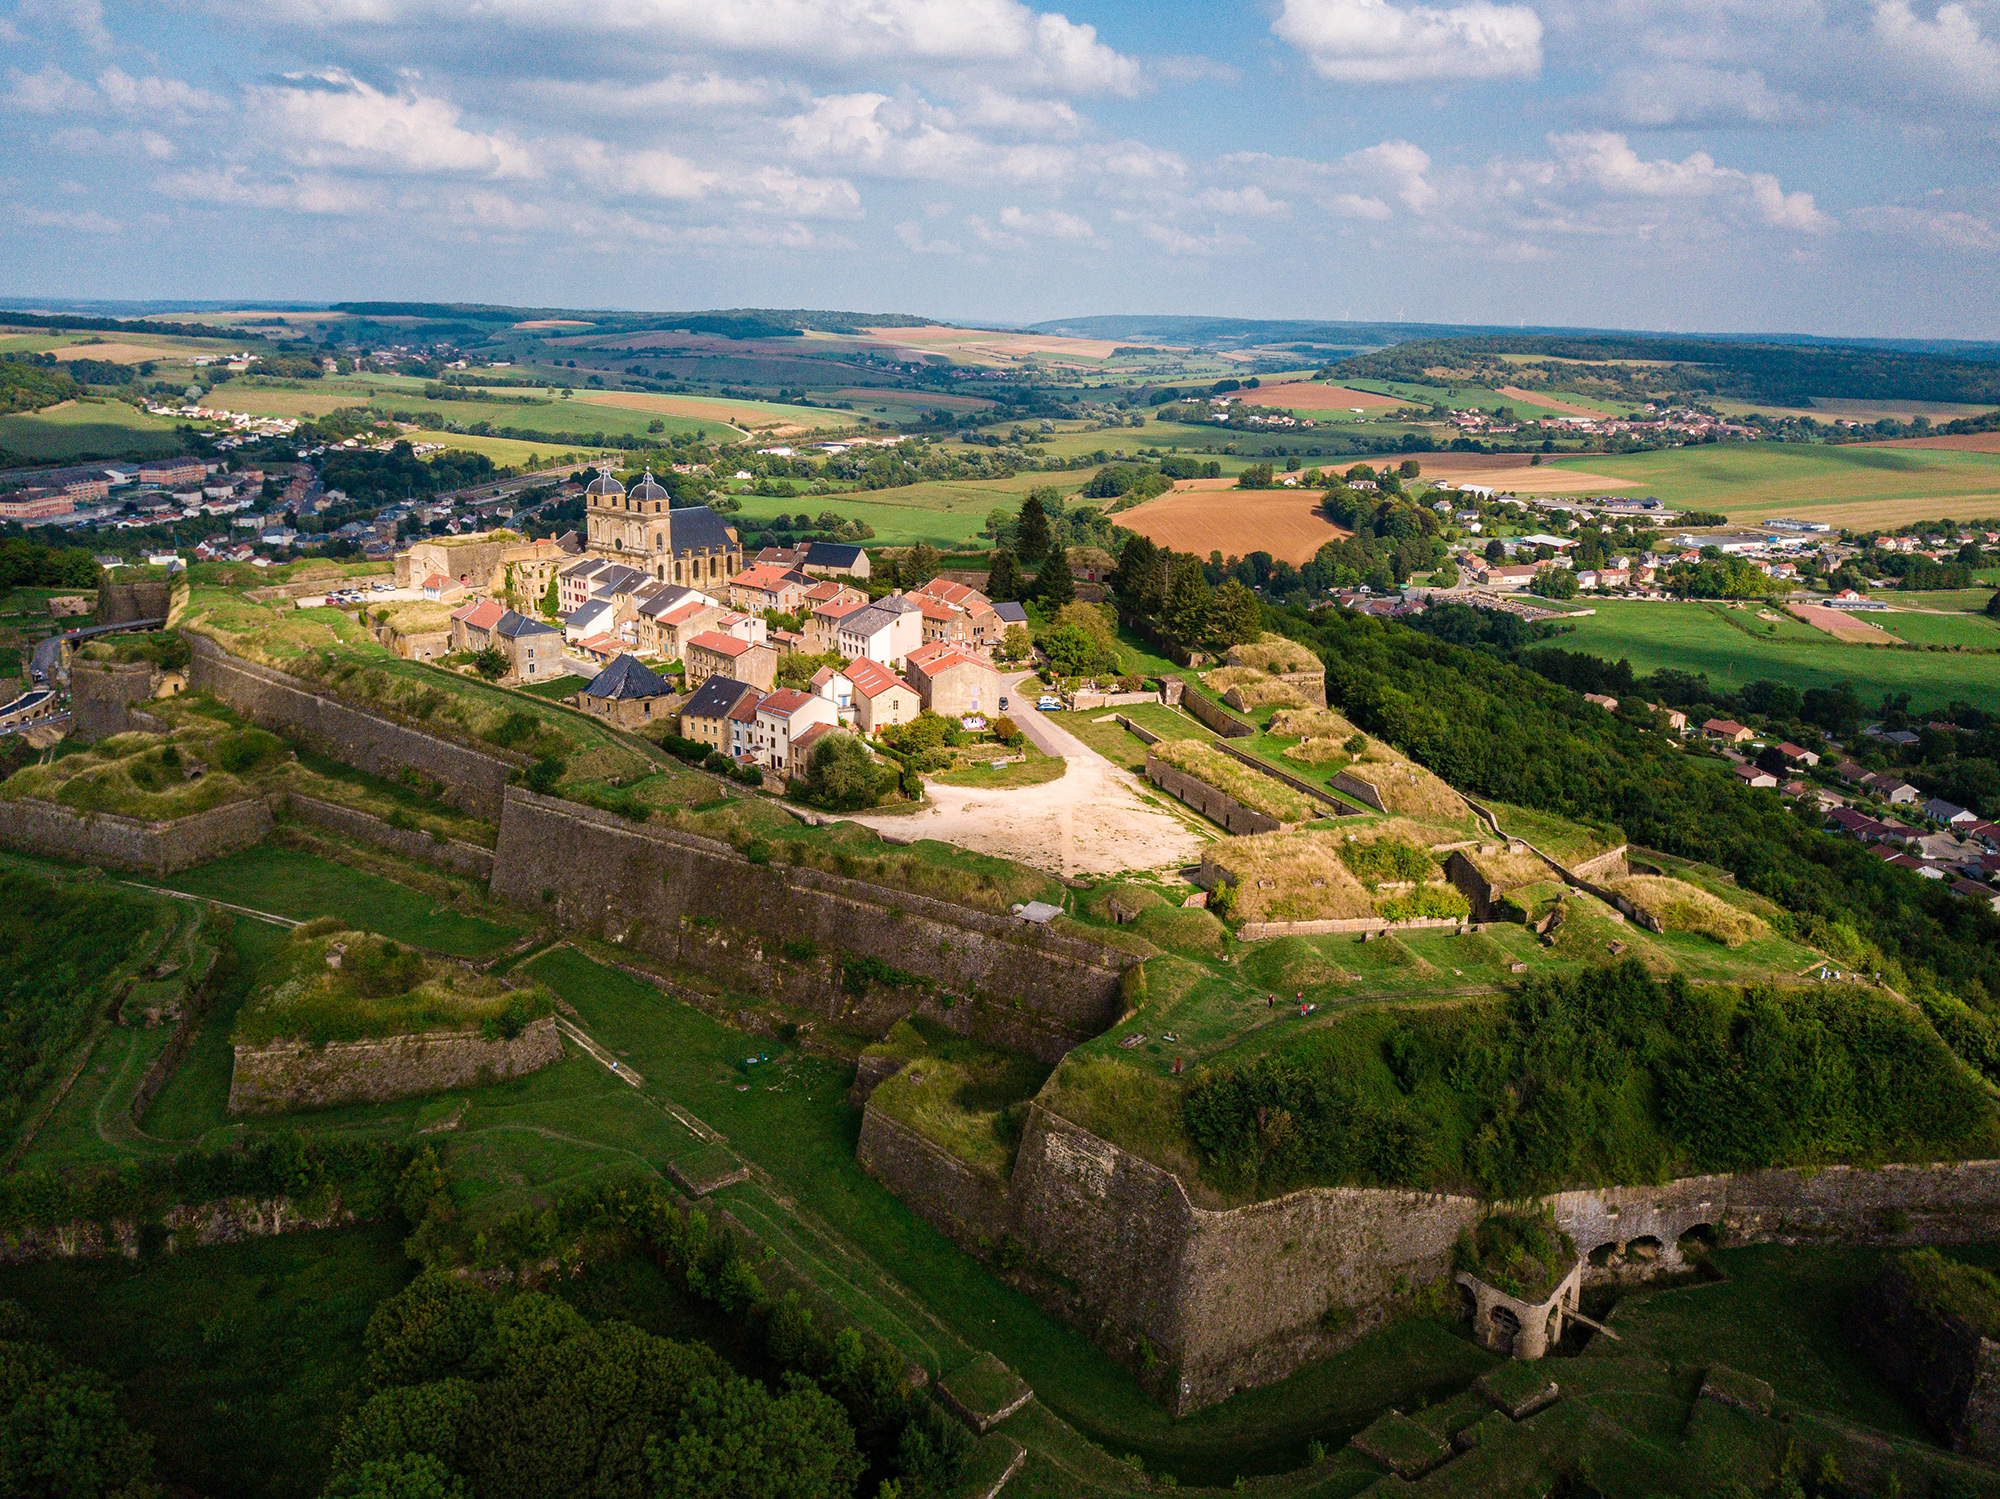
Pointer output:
x,y
1606,1076
1493,728
26,386
378,478
60,1430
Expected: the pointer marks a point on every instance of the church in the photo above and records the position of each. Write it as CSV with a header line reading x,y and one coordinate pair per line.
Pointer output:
x,y
640,528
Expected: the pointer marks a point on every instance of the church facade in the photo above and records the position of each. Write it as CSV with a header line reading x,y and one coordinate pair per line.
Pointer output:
x,y
640,528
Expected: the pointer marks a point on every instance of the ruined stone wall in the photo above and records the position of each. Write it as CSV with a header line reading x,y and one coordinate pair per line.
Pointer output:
x,y
102,694
298,1075
1942,1364
228,1220
785,931
158,848
453,853
1216,805
968,1206
473,779
1235,1298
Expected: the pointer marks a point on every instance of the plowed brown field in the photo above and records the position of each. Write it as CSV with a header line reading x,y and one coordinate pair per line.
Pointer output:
x,y
1205,515
1317,395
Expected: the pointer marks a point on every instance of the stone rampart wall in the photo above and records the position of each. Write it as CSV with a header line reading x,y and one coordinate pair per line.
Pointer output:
x,y
473,779
696,902
157,848
298,1075
229,1220
1319,794
1357,788
969,1207
1236,1297
453,853
1227,724
1257,931
102,694
1217,806
143,598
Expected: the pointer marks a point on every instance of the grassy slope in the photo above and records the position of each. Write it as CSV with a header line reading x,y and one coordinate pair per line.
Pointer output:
x,y
1692,637
79,429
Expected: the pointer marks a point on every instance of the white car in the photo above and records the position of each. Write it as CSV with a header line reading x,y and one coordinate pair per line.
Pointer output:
x,y
1048,704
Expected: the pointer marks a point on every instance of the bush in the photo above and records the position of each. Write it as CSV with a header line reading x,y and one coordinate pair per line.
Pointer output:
x,y
841,776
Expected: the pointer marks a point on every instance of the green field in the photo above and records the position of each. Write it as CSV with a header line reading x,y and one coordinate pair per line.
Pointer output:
x,y
1858,485
944,513
1697,637
87,429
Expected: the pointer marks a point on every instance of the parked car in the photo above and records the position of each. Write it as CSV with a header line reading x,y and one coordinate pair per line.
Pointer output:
x,y
1003,705
1048,703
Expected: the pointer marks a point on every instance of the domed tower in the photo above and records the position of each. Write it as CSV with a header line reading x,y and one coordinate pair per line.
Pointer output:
x,y
604,507
648,497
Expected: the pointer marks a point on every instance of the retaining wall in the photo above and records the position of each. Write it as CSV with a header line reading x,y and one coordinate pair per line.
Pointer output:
x,y
1234,1297
696,902
1257,931
453,853
473,779
1227,724
1319,794
969,1207
158,848
1217,806
1357,788
229,1220
143,598
298,1075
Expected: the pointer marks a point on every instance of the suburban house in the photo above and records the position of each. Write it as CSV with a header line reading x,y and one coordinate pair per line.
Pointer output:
x,y
713,653
1751,775
647,616
881,698
1796,755
952,681
783,717
438,589
887,632
1898,793
1728,730
1608,704
1950,815
1676,720
761,588
743,729
627,693
532,648
836,559
472,626
705,715
1494,575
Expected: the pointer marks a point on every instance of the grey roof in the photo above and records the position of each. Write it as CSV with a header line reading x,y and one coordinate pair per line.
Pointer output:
x,y
584,567
617,579
715,697
670,597
583,613
832,554
697,526
868,621
648,488
513,625
1013,613
627,677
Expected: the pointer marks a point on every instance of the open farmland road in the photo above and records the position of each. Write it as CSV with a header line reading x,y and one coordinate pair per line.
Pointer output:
x,y
1091,821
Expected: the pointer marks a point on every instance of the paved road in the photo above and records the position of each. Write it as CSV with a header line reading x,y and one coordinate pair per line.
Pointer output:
x,y
49,652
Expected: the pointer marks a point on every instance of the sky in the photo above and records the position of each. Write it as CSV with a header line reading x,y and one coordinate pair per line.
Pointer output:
x,y
1820,166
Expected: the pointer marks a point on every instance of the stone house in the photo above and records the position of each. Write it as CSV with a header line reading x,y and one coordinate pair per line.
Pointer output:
x,y
532,649
649,616
1728,730
705,716
743,730
881,698
837,688
627,693
784,717
759,588
827,591
886,632
472,626
823,626
712,653
836,559
497,563
952,681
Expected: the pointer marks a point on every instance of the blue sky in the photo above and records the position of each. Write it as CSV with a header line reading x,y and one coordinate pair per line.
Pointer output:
x,y
1825,166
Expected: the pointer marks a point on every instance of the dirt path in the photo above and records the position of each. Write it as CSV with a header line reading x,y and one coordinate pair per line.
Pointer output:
x,y
1091,821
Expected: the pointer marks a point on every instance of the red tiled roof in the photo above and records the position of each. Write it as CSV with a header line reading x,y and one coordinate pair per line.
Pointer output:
x,y
785,702
483,615
722,645
872,678
933,659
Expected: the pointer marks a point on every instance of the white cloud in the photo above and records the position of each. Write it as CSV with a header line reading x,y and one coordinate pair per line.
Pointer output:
x,y
1049,223
1949,53
777,189
1041,48
639,174
1606,160
1940,228
51,91
664,99
1250,202
312,193
993,110
1177,241
84,221
911,233
333,119
1372,41
1694,94
84,17
912,138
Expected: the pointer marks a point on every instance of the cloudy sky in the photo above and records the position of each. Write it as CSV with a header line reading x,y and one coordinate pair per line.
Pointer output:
x,y
1825,166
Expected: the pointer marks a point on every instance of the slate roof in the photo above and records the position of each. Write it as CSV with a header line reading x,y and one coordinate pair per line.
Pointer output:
x,y
715,697
514,625
1012,613
698,526
627,677
832,554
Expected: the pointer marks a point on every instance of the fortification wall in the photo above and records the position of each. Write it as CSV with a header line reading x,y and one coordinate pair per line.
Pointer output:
x,y
1320,794
969,1207
142,598
1217,806
1228,725
102,694
158,848
453,853
699,903
228,1220
298,1075
1236,1297
1357,788
473,779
